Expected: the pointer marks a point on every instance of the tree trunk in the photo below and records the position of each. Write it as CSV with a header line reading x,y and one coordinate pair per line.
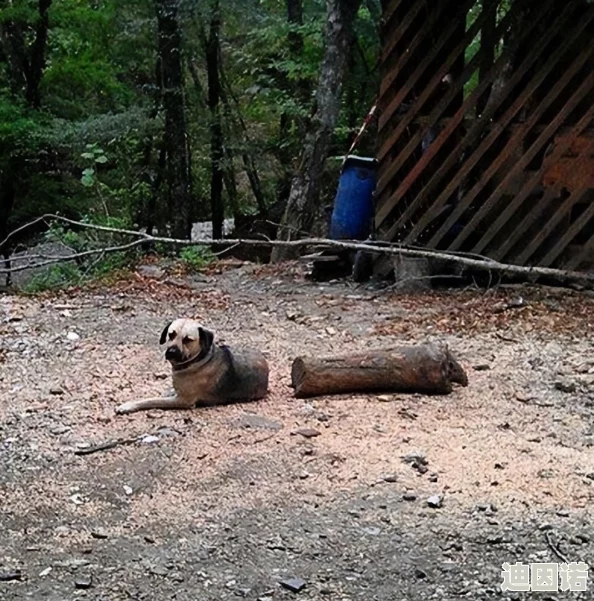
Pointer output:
x,y
176,130
7,196
298,90
213,50
426,369
305,187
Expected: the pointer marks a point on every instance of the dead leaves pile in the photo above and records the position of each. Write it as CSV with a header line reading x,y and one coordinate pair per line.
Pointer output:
x,y
505,313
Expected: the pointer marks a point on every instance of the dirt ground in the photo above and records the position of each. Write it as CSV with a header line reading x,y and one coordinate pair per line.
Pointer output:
x,y
226,503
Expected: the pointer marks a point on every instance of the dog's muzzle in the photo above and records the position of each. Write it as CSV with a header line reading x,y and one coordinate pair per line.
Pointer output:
x,y
173,354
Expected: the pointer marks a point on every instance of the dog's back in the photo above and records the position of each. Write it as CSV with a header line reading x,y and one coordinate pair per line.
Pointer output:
x,y
245,376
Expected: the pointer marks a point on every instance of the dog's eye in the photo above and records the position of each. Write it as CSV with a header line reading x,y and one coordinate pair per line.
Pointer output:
x,y
187,340
172,335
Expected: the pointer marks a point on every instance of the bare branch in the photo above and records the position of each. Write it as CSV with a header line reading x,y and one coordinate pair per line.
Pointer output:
x,y
476,262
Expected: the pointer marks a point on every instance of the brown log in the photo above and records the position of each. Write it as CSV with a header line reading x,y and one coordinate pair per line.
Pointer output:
x,y
426,368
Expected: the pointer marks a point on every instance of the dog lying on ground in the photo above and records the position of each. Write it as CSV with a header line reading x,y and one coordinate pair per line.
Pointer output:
x,y
204,373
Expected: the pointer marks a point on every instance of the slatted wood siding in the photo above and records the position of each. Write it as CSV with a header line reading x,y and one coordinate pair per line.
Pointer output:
x,y
485,131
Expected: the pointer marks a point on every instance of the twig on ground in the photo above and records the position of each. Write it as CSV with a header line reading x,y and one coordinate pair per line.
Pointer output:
x,y
555,548
105,446
482,263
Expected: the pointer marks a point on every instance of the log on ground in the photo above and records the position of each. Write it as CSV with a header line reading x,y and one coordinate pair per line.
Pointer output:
x,y
426,369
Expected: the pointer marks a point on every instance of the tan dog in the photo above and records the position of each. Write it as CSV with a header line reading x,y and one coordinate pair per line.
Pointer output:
x,y
204,373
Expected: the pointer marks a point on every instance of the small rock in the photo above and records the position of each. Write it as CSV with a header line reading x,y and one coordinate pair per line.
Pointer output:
x,y
77,499
243,592
250,420
545,527
307,432
10,575
59,430
150,439
83,582
56,390
481,367
149,539
435,501
294,585
385,398
128,490
565,386
390,478
72,336
417,457
495,540
409,496
165,431
98,534
564,513
433,477
45,572
372,530
159,571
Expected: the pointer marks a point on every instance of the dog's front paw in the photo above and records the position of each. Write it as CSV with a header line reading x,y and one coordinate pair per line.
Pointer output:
x,y
128,407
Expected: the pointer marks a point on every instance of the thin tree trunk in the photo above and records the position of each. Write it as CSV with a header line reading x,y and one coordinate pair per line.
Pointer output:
x,y
295,43
176,130
305,187
7,197
213,50
246,156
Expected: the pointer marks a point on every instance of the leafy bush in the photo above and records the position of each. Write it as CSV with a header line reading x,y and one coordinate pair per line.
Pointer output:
x,y
196,257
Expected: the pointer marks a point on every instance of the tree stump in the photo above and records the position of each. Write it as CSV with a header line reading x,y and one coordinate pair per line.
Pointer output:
x,y
426,368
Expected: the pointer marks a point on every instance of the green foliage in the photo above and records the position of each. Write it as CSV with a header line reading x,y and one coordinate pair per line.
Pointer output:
x,y
88,268
93,148
196,257
55,277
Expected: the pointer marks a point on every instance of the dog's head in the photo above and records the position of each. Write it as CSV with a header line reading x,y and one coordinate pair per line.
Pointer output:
x,y
186,340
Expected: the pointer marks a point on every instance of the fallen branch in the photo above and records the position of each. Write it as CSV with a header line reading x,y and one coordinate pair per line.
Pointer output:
x,y
105,446
472,261
555,548
426,369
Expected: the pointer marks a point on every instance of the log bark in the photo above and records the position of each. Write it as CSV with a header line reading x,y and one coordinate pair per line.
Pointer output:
x,y
426,369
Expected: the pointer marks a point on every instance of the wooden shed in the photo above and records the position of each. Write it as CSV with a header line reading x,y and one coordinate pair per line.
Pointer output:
x,y
485,139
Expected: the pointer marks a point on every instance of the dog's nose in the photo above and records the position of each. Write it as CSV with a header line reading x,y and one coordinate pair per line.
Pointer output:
x,y
173,353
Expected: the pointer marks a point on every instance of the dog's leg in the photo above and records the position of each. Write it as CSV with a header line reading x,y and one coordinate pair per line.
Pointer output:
x,y
172,402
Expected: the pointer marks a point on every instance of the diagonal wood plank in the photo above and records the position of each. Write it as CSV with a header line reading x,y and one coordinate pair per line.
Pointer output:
x,y
387,206
586,253
574,229
488,141
521,164
404,58
398,33
447,33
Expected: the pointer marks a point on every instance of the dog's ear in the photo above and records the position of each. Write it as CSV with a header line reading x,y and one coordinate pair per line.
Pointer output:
x,y
163,339
206,338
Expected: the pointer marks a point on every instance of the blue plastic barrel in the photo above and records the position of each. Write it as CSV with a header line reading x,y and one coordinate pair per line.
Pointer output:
x,y
352,213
